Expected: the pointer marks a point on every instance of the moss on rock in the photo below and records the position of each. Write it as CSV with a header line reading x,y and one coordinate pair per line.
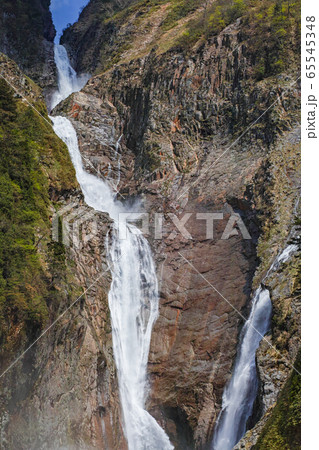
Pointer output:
x,y
34,166
283,429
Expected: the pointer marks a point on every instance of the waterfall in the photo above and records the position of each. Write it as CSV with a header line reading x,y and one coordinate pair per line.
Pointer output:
x,y
240,394
133,297
68,81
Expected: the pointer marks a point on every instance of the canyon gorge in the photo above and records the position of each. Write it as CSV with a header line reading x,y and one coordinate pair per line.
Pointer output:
x,y
188,111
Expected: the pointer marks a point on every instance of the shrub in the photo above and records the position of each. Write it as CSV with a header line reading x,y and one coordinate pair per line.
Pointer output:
x,y
25,141
272,29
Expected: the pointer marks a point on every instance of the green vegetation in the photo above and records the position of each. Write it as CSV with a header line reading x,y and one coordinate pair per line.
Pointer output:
x,y
33,162
214,19
111,55
178,10
150,158
270,29
282,430
276,25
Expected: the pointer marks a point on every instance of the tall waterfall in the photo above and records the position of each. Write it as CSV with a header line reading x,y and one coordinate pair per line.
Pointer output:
x,y
133,297
68,81
240,394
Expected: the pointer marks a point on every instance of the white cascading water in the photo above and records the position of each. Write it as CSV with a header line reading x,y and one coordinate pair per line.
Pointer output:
x,y
133,297
68,81
240,394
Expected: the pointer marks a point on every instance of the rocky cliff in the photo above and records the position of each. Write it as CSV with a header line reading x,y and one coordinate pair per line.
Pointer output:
x,y
207,110
182,99
93,27
26,35
45,302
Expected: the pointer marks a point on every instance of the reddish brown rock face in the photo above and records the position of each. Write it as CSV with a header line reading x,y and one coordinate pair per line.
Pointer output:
x,y
195,338
179,118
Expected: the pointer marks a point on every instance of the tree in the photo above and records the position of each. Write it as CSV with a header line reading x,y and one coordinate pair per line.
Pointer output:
x,y
8,106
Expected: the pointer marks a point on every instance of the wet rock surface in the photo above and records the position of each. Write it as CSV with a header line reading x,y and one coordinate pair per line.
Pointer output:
x,y
173,114
168,129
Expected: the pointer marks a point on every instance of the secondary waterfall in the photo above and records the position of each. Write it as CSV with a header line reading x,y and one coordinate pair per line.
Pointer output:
x,y
133,297
240,394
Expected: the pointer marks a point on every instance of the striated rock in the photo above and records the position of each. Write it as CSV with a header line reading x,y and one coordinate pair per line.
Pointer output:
x,y
185,132
74,402
177,130
62,392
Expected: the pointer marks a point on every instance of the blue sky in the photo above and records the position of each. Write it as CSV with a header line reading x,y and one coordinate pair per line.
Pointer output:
x,y
64,12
